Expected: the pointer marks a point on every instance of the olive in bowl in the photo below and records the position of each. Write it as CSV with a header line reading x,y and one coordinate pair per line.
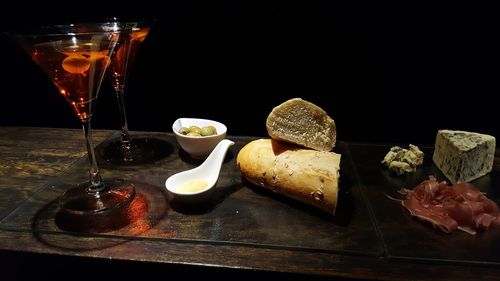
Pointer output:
x,y
198,137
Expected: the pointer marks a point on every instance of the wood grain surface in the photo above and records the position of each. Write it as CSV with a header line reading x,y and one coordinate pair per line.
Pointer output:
x,y
33,158
30,157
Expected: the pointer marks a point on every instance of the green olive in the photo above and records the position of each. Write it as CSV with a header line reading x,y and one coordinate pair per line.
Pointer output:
x,y
212,129
195,129
183,131
208,131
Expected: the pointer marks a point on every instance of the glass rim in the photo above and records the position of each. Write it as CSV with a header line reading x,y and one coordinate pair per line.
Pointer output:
x,y
83,28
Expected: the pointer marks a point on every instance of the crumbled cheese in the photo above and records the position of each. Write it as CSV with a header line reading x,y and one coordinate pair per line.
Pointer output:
x,y
401,160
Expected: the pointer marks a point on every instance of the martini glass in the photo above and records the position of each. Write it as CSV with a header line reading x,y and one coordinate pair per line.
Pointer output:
x,y
76,57
129,149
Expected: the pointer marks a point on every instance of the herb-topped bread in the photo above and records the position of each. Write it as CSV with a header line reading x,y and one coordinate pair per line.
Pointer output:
x,y
306,175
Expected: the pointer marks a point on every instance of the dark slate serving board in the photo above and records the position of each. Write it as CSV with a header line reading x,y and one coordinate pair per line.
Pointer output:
x,y
405,237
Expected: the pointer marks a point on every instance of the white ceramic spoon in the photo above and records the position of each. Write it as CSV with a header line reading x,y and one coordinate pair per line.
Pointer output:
x,y
208,172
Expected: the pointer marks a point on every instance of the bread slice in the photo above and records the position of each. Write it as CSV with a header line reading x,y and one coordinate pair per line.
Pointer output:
x,y
303,123
306,175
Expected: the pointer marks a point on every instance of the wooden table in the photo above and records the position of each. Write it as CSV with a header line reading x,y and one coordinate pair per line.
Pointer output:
x,y
32,157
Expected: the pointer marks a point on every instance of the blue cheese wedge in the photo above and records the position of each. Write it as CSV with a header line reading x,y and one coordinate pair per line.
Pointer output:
x,y
463,156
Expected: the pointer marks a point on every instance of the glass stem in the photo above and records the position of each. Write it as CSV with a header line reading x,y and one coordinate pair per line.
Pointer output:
x,y
123,115
96,184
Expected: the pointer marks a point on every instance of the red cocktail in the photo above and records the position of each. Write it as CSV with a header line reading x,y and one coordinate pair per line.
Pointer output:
x,y
129,149
76,58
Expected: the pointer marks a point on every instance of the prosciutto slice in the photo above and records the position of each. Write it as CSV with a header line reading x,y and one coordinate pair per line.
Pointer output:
x,y
460,206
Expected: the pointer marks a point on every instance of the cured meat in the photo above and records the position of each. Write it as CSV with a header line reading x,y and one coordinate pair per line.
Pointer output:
x,y
460,206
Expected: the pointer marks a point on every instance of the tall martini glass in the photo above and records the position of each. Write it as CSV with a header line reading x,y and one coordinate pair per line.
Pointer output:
x,y
76,58
129,149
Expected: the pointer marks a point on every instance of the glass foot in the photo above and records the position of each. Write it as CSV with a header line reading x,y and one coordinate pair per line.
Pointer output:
x,y
110,209
138,151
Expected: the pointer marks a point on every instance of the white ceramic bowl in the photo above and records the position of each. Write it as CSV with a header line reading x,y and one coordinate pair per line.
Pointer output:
x,y
198,147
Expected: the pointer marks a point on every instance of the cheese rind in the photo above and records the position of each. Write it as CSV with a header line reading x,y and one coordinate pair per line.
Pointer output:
x,y
463,156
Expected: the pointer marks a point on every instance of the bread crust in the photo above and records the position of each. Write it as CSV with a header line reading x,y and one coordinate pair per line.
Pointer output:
x,y
303,123
305,175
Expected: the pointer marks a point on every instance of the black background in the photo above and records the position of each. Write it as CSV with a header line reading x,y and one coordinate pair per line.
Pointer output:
x,y
384,72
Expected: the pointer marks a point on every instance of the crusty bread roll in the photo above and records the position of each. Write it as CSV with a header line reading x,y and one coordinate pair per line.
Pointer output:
x,y
307,175
302,123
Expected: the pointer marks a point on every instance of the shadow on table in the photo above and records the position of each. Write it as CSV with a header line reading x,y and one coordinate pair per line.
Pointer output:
x,y
51,227
218,196
343,211
149,149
